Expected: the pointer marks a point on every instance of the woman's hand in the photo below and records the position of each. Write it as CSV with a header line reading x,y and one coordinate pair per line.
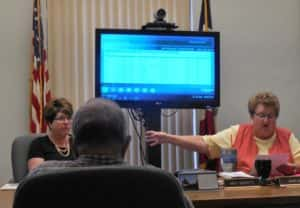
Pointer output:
x,y
287,169
34,162
155,137
190,142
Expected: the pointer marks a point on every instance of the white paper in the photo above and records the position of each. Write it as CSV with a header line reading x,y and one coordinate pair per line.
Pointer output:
x,y
236,174
277,160
9,186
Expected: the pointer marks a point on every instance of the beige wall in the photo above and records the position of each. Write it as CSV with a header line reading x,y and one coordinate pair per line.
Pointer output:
x,y
15,37
260,43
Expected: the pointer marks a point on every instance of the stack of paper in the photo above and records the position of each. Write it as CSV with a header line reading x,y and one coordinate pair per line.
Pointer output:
x,y
236,174
9,186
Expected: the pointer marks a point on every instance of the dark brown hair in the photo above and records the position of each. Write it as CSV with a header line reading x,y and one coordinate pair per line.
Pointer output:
x,y
55,106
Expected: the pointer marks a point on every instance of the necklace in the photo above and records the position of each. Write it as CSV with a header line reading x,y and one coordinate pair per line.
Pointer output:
x,y
63,151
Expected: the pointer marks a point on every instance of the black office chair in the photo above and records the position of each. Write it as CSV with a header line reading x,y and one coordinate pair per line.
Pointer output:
x,y
19,155
107,186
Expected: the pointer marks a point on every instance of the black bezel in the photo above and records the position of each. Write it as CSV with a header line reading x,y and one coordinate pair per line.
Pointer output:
x,y
202,103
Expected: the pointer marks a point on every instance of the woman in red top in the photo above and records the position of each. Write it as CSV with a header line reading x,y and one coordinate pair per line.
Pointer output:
x,y
260,136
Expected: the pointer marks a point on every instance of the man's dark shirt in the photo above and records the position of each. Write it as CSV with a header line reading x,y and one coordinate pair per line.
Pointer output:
x,y
81,161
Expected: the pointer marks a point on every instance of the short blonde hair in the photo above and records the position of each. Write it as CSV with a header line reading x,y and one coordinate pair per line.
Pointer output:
x,y
265,98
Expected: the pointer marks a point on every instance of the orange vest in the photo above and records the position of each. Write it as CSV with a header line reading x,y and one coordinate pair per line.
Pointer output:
x,y
247,149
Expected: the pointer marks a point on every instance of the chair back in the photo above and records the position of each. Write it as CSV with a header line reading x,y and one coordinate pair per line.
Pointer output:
x,y
108,186
19,154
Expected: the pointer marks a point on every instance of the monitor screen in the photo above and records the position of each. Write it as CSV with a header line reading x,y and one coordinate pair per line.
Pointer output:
x,y
165,69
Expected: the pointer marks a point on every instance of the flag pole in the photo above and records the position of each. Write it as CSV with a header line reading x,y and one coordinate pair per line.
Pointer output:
x,y
40,66
30,83
205,16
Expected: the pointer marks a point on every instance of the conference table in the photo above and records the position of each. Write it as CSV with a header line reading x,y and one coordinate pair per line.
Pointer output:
x,y
246,196
6,198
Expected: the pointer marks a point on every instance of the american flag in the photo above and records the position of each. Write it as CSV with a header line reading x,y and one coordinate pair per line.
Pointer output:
x,y
40,92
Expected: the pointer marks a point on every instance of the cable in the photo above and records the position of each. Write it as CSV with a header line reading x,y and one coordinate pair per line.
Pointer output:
x,y
168,115
134,118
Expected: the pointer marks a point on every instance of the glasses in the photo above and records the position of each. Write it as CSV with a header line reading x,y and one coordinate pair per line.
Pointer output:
x,y
263,116
62,119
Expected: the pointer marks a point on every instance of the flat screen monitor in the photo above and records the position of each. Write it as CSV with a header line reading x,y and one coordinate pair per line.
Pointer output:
x,y
164,69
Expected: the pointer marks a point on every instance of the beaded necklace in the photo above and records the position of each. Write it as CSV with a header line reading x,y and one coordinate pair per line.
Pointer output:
x,y
63,151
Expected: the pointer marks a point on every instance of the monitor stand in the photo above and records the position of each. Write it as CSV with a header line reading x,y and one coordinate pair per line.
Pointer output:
x,y
151,117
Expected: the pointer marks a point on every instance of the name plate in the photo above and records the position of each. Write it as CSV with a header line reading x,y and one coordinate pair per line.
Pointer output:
x,y
241,182
287,180
198,179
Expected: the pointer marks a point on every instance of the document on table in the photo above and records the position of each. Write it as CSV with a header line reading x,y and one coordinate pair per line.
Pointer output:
x,y
277,160
9,186
235,174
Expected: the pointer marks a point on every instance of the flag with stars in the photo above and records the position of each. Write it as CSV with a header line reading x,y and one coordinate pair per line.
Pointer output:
x,y
39,89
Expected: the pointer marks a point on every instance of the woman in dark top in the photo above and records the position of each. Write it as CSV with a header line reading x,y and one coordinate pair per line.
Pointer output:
x,y
57,144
